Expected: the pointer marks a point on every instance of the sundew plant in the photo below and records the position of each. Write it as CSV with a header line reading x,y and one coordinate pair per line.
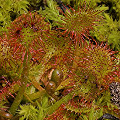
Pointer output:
x,y
59,59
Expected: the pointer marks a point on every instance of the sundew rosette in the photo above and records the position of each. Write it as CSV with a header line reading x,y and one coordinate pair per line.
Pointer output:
x,y
77,23
25,33
98,63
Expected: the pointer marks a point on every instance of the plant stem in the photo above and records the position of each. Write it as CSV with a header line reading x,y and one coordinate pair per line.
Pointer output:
x,y
18,99
24,79
54,107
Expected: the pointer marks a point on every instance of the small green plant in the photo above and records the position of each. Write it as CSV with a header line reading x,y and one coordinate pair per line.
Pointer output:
x,y
9,10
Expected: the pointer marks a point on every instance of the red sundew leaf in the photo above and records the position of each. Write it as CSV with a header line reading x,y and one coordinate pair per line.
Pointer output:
x,y
25,31
23,55
58,114
8,90
11,95
15,51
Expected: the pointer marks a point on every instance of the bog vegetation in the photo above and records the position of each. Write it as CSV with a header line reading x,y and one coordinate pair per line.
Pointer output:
x,y
59,59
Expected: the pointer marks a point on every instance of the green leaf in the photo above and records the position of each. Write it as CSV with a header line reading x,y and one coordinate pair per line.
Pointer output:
x,y
45,102
41,113
84,117
101,112
22,6
91,114
55,106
